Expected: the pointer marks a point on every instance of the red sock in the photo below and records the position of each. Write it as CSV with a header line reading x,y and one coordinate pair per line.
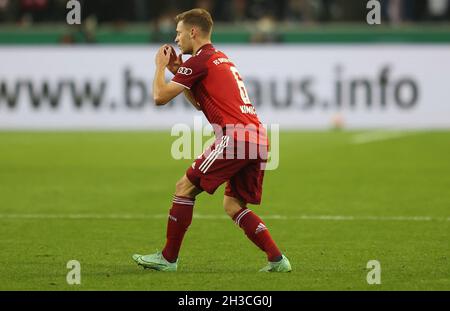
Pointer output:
x,y
180,217
257,232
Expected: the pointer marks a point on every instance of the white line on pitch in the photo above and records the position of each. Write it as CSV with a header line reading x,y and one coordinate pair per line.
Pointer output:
x,y
372,136
214,217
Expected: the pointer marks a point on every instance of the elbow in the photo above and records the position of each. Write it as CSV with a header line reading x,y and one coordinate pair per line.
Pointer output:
x,y
159,101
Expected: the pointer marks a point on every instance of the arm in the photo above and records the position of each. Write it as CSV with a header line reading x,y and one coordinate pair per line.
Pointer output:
x,y
163,92
173,68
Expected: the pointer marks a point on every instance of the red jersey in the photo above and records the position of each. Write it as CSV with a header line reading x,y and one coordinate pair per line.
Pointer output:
x,y
218,88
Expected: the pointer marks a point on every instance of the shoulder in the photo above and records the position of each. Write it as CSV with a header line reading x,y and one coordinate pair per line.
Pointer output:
x,y
201,58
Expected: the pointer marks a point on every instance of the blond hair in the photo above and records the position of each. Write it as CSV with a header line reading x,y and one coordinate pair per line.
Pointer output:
x,y
196,17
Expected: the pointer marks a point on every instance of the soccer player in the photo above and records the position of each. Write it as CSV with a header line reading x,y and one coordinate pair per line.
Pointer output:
x,y
211,82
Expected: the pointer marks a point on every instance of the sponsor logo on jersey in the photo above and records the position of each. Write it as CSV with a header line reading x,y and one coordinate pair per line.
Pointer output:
x,y
184,71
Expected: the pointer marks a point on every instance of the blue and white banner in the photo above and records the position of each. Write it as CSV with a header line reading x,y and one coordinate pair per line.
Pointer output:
x,y
296,86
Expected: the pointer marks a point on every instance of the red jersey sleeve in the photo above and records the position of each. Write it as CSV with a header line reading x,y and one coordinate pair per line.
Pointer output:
x,y
191,71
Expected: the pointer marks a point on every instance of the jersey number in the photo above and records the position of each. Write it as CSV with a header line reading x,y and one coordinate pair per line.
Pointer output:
x,y
241,85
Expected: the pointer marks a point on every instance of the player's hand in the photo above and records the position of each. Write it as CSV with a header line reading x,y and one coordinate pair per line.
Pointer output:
x,y
175,64
163,56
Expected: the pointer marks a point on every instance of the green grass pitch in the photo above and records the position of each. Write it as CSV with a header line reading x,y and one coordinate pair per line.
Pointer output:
x,y
100,197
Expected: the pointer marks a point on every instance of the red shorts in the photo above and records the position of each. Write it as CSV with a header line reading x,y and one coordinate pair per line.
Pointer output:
x,y
240,164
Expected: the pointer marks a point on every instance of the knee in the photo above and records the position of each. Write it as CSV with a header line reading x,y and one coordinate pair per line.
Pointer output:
x,y
228,210
180,186
232,206
185,188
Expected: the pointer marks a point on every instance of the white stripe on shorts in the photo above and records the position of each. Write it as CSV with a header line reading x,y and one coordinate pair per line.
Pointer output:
x,y
219,152
214,155
211,155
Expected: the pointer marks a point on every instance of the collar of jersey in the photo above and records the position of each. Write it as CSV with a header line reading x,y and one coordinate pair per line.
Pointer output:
x,y
207,45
